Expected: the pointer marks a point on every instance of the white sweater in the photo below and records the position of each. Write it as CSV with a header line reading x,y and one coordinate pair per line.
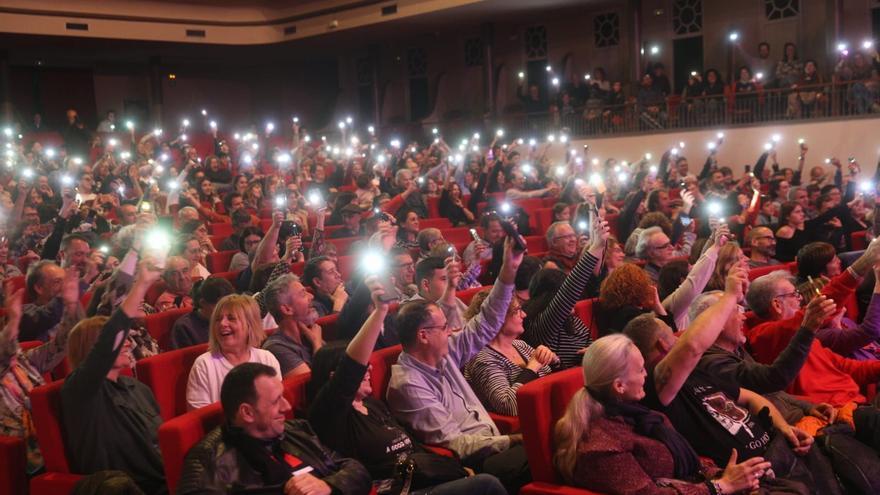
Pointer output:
x,y
208,372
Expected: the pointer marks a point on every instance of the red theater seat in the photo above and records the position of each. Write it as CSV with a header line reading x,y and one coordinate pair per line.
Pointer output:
x,y
221,229
328,326
46,408
536,243
858,240
540,404
764,270
380,374
219,261
584,311
167,374
13,466
178,435
435,223
159,325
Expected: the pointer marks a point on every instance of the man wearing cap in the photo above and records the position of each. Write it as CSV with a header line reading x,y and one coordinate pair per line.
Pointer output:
x,y
351,222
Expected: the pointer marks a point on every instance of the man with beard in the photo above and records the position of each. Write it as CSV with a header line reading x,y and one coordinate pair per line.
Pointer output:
x,y
298,337
763,244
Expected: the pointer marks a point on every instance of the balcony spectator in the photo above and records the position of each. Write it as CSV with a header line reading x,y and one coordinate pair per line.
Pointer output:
x,y
533,101
235,336
788,70
861,77
808,96
651,103
691,108
713,95
108,125
660,79
256,449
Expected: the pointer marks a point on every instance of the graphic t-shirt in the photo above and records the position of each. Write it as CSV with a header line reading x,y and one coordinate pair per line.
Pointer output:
x,y
706,413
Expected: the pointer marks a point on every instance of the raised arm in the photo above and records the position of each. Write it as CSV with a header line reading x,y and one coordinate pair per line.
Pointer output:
x,y
268,242
672,371
86,379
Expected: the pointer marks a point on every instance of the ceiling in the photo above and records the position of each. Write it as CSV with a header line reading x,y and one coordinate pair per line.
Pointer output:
x,y
103,53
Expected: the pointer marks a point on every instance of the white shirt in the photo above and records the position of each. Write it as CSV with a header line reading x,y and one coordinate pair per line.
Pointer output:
x,y
208,372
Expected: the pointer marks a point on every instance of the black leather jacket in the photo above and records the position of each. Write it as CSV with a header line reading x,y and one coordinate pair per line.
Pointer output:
x,y
212,467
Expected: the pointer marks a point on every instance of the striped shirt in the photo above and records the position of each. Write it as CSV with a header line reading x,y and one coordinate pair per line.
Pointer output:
x,y
495,379
556,326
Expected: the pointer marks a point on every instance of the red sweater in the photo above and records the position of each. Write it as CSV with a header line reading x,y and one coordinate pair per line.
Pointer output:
x,y
825,376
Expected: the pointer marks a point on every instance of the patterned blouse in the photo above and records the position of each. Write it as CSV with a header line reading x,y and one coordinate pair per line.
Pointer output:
x,y
495,379
20,372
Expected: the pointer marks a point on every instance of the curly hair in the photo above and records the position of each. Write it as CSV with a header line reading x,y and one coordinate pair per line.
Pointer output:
x,y
477,302
628,285
657,219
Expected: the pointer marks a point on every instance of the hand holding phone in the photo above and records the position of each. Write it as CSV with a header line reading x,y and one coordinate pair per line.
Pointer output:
x,y
512,232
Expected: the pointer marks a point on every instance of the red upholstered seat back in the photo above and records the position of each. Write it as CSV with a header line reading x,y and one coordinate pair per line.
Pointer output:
x,y
380,375
159,325
46,409
764,270
219,261
167,374
328,326
540,404
155,291
584,311
295,392
178,435
221,229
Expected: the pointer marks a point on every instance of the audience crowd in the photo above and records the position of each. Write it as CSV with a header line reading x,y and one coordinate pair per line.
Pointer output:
x,y
733,344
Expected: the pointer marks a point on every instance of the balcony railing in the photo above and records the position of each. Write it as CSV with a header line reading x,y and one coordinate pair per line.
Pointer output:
x,y
831,100
802,103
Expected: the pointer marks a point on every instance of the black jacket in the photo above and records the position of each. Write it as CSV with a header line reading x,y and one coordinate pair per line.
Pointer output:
x,y
212,467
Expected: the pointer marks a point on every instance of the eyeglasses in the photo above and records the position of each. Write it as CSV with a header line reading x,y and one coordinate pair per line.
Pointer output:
x,y
444,327
797,295
405,265
665,245
564,237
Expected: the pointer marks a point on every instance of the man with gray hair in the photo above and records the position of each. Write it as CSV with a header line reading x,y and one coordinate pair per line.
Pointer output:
x,y
714,415
187,214
826,376
562,242
298,337
656,249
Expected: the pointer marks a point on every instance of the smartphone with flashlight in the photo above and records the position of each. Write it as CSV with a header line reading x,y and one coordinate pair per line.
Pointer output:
x,y
511,231
376,264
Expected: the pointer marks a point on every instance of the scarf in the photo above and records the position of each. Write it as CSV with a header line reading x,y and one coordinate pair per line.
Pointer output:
x,y
650,424
265,457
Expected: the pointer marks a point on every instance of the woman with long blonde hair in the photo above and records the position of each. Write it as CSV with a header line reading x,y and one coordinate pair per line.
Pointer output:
x,y
235,335
608,442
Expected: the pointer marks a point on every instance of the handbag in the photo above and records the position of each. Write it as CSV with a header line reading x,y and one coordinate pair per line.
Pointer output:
x,y
423,470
